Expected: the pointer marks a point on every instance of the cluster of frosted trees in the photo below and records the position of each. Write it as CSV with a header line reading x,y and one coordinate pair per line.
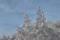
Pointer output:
x,y
38,30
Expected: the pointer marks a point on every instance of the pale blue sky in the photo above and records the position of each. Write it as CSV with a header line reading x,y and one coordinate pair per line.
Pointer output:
x,y
11,12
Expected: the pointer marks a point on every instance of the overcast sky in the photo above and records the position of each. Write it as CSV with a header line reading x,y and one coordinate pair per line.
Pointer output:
x,y
11,12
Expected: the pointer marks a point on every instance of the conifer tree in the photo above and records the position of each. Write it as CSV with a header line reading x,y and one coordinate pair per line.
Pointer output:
x,y
27,21
40,19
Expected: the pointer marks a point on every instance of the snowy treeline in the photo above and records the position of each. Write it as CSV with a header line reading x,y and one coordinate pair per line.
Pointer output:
x,y
38,30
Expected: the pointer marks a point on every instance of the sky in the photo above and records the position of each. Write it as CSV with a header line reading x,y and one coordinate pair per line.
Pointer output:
x,y
12,12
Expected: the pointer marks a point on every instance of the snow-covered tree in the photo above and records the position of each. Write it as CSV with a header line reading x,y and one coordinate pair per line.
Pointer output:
x,y
40,15
27,20
40,18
